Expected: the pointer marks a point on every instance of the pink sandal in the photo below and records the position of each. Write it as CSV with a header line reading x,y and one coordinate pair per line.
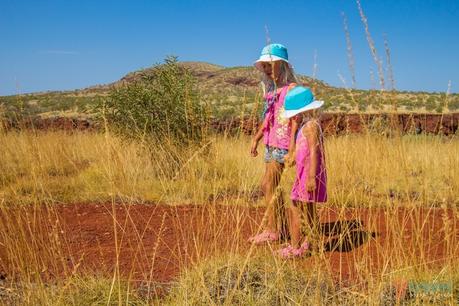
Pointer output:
x,y
265,236
291,252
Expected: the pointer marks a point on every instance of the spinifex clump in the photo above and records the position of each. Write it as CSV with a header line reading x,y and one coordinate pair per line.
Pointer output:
x,y
236,280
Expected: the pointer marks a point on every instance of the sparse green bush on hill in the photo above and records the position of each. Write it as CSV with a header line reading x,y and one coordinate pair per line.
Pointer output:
x,y
162,104
213,83
430,105
453,103
439,108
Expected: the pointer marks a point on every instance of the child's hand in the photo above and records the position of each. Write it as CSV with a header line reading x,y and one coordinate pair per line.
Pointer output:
x,y
311,184
289,159
253,148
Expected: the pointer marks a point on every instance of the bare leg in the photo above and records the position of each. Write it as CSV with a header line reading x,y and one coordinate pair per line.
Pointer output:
x,y
271,180
313,223
294,213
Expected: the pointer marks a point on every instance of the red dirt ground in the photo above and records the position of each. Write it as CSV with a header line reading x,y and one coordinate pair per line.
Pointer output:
x,y
157,241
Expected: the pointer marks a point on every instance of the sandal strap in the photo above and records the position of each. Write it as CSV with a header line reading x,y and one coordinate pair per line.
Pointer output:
x,y
264,237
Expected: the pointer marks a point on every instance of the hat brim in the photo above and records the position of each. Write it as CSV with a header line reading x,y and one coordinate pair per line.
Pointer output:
x,y
313,105
268,58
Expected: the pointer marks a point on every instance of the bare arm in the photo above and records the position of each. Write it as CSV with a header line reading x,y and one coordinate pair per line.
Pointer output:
x,y
290,157
311,131
256,139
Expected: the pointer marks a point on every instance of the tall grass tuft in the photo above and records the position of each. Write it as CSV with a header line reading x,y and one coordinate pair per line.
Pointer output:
x,y
372,46
262,281
350,54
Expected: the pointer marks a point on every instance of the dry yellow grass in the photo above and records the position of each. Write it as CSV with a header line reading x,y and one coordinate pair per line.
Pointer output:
x,y
49,168
364,170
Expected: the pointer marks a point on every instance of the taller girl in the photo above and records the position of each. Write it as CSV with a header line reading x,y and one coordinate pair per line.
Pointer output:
x,y
277,131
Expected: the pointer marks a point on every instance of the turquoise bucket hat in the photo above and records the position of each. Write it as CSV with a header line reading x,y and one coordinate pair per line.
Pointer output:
x,y
299,99
271,53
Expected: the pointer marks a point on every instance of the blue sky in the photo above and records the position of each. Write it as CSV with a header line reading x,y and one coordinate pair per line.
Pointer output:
x,y
60,45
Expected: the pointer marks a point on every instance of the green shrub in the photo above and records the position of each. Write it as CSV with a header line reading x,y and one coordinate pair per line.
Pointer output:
x,y
362,106
430,105
162,102
439,108
453,103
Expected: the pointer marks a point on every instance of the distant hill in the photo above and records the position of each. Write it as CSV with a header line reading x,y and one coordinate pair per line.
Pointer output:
x,y
232,91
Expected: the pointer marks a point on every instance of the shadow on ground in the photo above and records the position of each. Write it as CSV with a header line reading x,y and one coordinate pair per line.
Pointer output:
x,y
345,235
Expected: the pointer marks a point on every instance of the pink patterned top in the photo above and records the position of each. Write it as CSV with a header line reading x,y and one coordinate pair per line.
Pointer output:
x,y
277,131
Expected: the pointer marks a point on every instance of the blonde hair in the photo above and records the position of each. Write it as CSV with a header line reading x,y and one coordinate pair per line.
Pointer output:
x,y
313,114
286,76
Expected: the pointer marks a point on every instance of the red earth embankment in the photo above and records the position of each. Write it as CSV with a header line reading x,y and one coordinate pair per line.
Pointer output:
x,y
341,123
333,123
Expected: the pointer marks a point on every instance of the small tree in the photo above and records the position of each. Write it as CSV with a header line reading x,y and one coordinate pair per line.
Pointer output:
x,y
162,103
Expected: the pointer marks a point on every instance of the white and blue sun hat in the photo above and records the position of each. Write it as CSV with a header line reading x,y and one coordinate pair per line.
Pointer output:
x,y
272,53
299,99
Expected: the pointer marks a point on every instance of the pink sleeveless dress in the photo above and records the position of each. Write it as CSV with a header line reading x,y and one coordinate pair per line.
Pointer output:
x,y
303,162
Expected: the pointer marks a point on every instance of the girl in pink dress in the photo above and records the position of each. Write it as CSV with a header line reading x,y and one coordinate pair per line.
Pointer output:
x,y
310,186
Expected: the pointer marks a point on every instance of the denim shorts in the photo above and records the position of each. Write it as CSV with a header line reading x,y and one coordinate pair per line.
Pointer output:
x,y
275,154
